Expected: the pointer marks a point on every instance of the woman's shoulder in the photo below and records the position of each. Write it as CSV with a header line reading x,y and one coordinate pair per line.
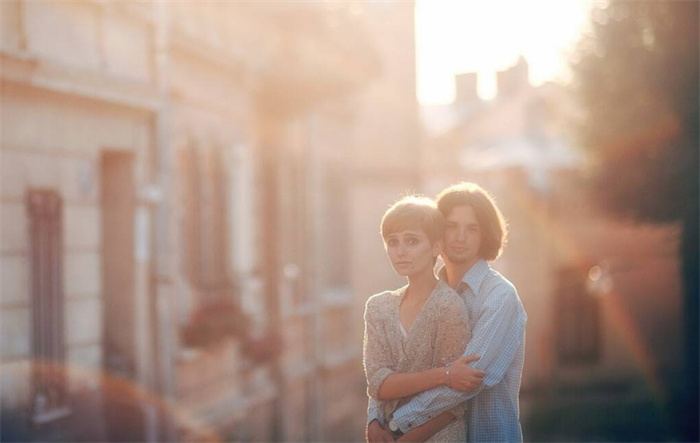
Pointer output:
x,y
384,297
448,297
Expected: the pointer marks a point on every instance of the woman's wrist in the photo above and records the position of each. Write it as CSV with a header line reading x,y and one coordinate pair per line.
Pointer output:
x,y
447,374
441,376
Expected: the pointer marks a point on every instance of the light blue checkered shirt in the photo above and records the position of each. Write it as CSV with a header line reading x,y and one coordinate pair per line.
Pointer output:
x,y
498,337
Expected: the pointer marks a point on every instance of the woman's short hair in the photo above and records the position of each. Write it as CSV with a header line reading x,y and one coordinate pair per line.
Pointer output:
x,y
414,211
494,229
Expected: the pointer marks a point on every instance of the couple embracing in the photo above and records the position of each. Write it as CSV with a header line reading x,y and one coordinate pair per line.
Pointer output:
x,y
443,355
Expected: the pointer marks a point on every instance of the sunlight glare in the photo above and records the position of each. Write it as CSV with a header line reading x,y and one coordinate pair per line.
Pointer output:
x,y
485,37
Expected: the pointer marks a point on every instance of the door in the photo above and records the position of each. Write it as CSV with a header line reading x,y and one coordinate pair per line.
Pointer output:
x,y
118,263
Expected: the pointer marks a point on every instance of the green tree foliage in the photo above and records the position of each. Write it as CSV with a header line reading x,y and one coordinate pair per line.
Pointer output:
x,y
636,80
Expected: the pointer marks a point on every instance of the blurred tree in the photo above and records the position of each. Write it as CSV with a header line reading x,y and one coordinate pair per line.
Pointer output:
x,y
635,77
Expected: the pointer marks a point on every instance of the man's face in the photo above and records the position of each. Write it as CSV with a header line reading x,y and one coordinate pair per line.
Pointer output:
x,y
462,236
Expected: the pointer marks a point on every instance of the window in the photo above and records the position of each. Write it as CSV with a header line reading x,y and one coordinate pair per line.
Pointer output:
x,y
48,341
293,232
12,26
215,235
337,225
577,318
205,226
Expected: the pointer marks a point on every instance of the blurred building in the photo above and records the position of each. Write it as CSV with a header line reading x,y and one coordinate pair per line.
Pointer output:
x,y
602,296
160,157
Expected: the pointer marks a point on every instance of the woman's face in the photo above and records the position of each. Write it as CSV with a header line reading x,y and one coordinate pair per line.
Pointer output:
x,y
410,251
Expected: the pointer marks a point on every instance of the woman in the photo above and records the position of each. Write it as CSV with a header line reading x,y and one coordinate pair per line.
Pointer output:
x,y
421,327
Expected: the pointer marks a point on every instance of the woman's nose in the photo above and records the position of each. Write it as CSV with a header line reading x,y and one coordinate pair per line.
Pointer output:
x,y
402,248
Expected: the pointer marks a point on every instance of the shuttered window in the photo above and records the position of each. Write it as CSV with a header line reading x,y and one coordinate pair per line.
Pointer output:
x,y
48,342
205,223
577,317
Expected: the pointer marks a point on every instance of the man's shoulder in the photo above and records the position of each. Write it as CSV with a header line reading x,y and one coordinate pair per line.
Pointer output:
x,y
501,296
495,279
495,285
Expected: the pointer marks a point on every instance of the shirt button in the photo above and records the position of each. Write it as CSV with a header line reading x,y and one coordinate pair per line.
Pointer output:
x,y
410,425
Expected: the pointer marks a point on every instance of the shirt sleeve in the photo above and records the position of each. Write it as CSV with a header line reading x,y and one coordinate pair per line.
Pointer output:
x,y
496,337
374,412
375,351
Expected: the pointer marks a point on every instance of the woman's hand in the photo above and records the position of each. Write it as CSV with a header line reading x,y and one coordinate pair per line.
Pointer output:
x,y
376,433
463,377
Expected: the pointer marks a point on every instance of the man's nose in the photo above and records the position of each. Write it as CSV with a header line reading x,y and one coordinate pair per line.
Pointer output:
x,y
462,234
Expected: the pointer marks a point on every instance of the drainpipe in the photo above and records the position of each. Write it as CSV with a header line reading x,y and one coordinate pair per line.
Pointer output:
x,y
315,286
159,196
270,258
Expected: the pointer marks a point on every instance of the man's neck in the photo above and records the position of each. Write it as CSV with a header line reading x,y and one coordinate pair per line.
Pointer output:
x,y
456,271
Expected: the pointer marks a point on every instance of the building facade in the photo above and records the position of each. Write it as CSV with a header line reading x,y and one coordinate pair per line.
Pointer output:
x,y
162,161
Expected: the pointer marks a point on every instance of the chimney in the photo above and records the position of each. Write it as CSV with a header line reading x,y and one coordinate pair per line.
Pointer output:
x,y
465,88
513,79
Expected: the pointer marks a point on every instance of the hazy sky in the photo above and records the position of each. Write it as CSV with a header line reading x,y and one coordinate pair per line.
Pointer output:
x,y
487,36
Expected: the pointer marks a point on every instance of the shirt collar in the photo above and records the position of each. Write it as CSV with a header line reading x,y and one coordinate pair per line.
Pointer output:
x,y
473,278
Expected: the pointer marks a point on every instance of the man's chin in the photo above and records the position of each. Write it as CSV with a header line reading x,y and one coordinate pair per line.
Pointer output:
x,y
458,259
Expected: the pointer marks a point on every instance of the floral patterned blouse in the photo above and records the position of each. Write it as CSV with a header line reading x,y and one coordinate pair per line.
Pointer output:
x,y
439,334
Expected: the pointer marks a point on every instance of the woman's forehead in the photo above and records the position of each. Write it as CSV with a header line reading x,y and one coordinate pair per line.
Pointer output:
x,y
413,228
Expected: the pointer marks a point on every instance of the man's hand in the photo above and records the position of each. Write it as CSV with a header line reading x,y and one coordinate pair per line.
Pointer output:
x,y
376,433
463,377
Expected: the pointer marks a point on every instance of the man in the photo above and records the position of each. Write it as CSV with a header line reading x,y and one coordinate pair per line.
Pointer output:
x,y
475,234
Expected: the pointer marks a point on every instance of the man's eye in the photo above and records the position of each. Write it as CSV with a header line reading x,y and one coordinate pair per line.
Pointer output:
x,y
412,241
391,243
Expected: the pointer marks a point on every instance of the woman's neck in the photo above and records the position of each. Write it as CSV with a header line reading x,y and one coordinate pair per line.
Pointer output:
x,y
421,285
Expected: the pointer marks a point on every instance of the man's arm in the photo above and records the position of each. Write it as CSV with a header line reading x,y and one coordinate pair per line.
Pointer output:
x,y
375,432
496,337
374,412
462,378
427,430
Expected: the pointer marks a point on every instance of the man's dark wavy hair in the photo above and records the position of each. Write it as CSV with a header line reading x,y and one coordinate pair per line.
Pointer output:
x,y
494,230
